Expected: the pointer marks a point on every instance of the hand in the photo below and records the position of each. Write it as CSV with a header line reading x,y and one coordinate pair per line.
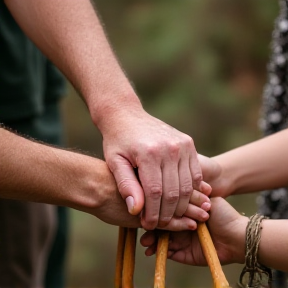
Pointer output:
x,y
112,209
167,164
197,211
227,228
212,174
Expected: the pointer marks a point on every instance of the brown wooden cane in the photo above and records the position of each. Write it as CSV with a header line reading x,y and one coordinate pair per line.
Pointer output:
x,y
211,256
161,256
125,261
122,232
129,258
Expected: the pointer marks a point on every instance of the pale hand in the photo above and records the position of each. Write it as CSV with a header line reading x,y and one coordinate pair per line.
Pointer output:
x,y
167,165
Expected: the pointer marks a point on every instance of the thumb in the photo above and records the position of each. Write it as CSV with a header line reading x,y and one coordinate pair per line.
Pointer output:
x,y
128,184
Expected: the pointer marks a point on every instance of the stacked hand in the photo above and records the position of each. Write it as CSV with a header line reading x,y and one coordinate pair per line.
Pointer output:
x,y
227,228
167,163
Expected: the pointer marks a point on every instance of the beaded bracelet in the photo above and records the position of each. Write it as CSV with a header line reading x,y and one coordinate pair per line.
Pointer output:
x,y
255,270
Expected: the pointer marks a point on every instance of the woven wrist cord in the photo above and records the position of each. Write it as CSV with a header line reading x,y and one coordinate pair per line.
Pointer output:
x,y
255,270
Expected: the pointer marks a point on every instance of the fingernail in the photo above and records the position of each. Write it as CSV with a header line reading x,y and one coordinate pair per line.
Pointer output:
x,y
206,206
130,204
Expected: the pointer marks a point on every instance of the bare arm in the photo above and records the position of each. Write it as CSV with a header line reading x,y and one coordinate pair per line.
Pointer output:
x,y
273,247
35,172
250,168
256,166
69,33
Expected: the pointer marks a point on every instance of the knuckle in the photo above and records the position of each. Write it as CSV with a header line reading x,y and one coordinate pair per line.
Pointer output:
x,y
174,149
188,140
191,142
163,221
152,150
172,196
186,190
155,191
151,223
197,178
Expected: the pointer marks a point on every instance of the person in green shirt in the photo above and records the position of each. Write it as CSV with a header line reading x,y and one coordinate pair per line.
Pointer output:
x,y
31,88
70,34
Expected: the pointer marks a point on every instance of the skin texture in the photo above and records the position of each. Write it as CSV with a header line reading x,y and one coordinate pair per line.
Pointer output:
x,y
257,166
35,172
70,34
253,167
227,228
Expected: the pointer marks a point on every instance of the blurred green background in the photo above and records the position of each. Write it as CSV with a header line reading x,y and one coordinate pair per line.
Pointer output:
x,y
199,65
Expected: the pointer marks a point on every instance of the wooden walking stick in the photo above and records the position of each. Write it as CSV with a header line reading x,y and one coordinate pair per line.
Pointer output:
x,y
125,261
211,256
161,256
209,252
129,258
119,257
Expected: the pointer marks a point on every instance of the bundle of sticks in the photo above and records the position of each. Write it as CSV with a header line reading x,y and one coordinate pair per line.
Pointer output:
x,y
125,261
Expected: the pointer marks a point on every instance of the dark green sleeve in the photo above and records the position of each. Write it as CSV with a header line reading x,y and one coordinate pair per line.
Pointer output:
x,y
27,79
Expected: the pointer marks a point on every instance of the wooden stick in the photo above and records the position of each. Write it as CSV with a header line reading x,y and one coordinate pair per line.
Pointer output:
x,y
211,256
161,257
129,258
119,257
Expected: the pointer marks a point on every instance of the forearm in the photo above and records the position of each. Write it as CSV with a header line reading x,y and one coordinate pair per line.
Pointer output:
x,y
35,172
257,166
69,33
273,249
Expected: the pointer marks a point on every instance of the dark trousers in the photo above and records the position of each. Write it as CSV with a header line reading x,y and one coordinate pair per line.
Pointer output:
x,y
33,236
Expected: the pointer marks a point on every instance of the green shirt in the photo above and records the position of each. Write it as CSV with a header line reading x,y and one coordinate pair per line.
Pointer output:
x,y
30,86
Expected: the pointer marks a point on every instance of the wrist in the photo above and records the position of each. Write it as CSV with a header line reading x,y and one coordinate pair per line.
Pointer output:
x,y
238,240
93,185
105,113
226,183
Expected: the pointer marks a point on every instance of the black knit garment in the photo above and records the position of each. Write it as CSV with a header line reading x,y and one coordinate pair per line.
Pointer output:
x,y
274,203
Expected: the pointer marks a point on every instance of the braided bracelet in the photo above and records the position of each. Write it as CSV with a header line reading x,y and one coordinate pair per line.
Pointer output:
x,y
255,270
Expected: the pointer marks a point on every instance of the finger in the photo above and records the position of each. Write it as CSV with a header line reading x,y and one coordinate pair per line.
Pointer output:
x,y
170,194
196,213
205,188
180,224
151,179
195,169
185,187
148,238
180,247
181,257
151,250
128,185
197,198
206,206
